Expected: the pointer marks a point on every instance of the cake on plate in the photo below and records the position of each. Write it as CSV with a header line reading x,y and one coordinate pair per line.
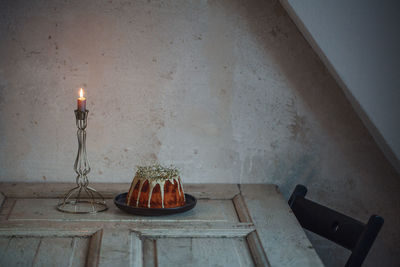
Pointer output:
x,y
156,187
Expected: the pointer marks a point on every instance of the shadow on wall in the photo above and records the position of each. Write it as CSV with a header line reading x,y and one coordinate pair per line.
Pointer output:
x,y
340,162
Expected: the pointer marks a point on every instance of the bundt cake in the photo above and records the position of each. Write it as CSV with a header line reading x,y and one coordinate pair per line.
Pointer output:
x,y
156,187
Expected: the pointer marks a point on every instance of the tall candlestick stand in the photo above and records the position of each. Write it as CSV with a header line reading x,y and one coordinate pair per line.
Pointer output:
x,y
82,198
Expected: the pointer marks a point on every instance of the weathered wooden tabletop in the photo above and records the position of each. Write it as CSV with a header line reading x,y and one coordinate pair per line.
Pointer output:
x,y
232,225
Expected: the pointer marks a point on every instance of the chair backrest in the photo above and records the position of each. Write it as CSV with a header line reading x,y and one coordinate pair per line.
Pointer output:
x,y
335,226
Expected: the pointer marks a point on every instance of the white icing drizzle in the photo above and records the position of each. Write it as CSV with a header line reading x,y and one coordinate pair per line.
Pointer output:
x,y
152,183
131,191
162,197
181,188
139,191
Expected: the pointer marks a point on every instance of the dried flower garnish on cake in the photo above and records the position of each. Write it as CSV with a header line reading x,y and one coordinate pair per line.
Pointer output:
x,y
156,186
157,171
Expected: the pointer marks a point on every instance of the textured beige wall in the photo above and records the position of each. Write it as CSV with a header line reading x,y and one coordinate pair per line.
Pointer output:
x,y
352,38
229,91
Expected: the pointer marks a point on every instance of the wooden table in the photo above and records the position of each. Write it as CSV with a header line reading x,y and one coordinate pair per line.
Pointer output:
x,y
232,225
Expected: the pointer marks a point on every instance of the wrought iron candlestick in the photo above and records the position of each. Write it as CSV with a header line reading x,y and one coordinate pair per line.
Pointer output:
x,y
82,198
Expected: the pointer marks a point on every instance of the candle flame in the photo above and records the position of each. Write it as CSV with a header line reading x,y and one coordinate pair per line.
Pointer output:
x,y
81,93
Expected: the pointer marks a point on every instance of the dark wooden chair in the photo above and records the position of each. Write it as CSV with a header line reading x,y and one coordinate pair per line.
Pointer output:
x,y
337,227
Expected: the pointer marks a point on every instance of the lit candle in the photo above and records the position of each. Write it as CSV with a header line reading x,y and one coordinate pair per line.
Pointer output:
x,y
81,101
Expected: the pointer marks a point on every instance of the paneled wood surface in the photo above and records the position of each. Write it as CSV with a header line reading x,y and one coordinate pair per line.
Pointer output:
x,y
231,225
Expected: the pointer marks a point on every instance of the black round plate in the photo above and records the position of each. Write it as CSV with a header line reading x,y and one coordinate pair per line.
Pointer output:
x,y
120,202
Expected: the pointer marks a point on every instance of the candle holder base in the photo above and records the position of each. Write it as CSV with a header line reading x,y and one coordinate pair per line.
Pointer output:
x,y
82,200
